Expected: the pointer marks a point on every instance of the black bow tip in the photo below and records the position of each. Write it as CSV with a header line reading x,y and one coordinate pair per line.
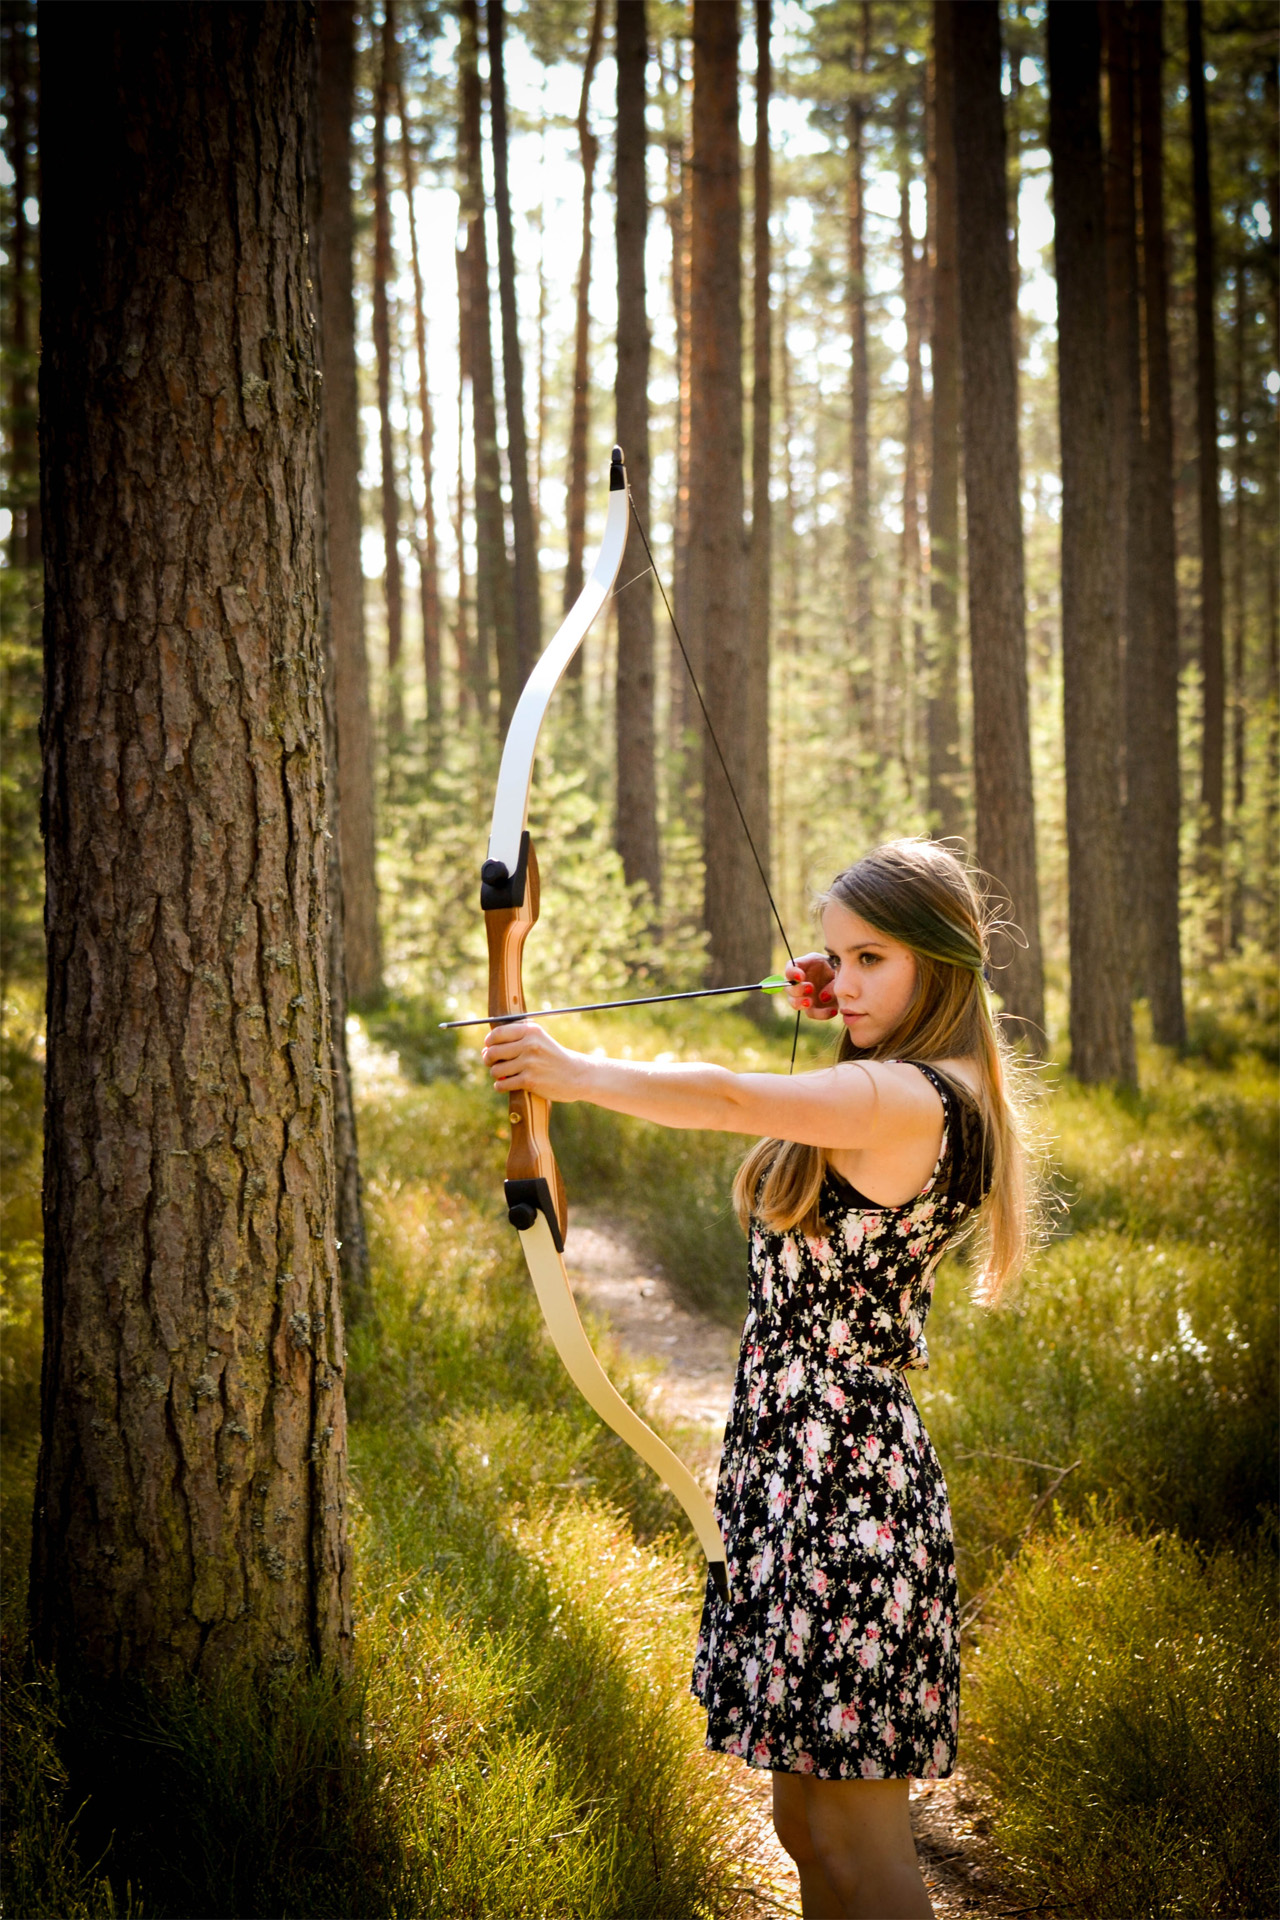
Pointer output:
x,y
617,472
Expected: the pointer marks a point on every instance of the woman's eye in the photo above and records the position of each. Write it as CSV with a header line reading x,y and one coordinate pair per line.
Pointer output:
x,y
869,959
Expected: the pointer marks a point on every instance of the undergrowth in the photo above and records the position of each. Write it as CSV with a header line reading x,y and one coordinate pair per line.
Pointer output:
x,y
519,1738
1123,1713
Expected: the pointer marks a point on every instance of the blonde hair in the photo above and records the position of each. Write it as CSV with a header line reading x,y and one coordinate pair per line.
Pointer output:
x,y
919,893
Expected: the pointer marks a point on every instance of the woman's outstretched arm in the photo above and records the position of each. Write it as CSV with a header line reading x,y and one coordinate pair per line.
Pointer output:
x,y
848,1106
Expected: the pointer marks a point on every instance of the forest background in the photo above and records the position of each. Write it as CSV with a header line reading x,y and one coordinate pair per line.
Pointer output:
x,y
1126,1403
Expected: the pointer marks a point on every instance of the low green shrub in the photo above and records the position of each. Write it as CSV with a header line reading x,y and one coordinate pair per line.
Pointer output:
x,y
1123,1710
411,1030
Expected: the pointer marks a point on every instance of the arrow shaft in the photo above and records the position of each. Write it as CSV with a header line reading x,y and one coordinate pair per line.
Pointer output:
x,y
601,1006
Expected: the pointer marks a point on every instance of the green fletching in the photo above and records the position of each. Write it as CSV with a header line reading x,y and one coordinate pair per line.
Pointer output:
x,y
773,983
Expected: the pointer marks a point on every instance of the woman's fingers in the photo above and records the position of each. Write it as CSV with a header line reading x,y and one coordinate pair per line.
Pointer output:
x,y
809,986
523,1057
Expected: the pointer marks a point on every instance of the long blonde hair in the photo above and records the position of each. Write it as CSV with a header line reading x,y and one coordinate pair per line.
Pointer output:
x,y
920,894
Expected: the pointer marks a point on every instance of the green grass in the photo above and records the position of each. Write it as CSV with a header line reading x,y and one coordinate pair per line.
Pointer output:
x,y
1123,1712
520,1739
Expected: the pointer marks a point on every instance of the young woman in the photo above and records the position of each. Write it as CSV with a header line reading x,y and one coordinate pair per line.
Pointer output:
x,y
835,1661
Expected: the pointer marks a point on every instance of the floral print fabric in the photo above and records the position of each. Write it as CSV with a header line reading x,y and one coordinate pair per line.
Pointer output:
x,y
837,1652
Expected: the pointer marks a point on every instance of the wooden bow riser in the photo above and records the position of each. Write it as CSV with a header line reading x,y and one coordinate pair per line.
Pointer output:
x,y
529,1159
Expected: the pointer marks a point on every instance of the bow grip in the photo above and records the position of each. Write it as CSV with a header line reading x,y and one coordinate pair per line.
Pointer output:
x,y
533,1183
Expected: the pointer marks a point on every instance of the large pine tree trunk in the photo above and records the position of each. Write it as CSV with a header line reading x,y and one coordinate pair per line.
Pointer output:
x,y
1153,685
1004,806
1213,756
190,1510
428,545
1101,1022
528,619
494,609
357,831
636,809
760,558
588,148
393,588
946,808
735,912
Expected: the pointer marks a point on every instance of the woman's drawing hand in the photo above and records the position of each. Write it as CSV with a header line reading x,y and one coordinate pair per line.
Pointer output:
x,y
809,986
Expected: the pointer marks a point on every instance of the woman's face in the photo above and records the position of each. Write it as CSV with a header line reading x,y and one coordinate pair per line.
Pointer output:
x,y
875,976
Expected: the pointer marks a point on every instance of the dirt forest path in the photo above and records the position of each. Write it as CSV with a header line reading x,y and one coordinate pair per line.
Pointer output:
x,y
686,1363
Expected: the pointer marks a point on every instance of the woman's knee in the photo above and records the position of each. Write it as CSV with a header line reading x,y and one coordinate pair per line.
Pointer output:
x,y
791,1817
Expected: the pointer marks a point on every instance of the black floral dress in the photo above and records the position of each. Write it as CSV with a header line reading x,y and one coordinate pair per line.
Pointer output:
x,y
838,1650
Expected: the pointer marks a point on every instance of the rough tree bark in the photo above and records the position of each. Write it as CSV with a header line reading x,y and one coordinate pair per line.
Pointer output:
x,y
528,620
636,808
357,830
760,555
1213,691
945,802
191,1495
588,148
1153,693
1101,1019
393,588
735,910
1003,801
429,545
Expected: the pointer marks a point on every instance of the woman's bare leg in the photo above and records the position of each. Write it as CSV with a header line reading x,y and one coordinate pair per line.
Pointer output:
x,y
861,1834
791,1824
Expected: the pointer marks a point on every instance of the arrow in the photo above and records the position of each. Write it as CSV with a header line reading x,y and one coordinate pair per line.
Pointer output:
x,y
773,983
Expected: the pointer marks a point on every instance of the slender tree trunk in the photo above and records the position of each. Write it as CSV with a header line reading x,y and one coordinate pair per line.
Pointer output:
x,y
1153,689
1004,803
19,45
1211,652
1101,1022
588,148
1128,540
679,175
860,555
190,1513
495,613
357,832
527,616
945,803
1015,182
910,634
760,558
429,545
392,584
1239,600
636,810
472,679
738,928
